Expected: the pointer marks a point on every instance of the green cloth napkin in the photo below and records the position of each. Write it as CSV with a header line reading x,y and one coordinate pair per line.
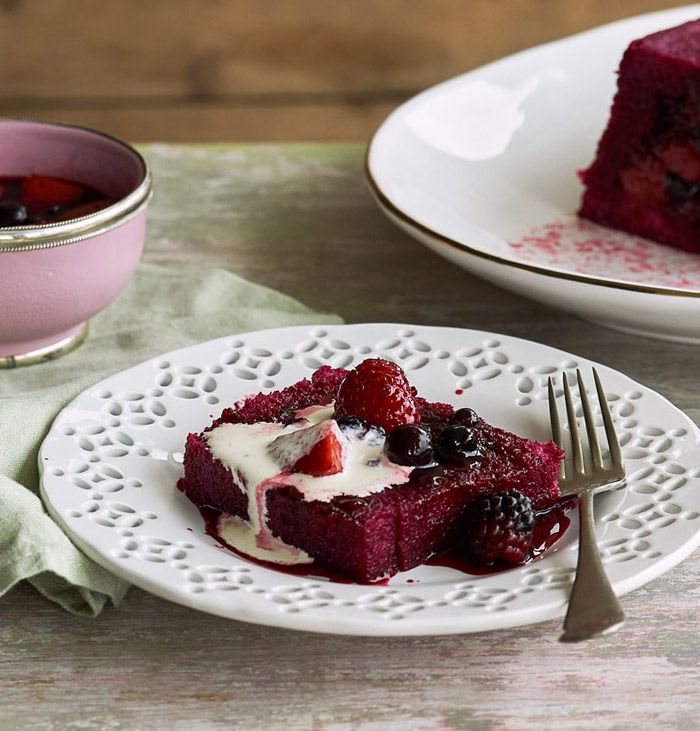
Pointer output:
x,y
162,309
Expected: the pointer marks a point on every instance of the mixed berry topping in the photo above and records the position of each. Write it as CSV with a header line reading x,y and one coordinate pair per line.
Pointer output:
x,y
378,392
410,444
497,528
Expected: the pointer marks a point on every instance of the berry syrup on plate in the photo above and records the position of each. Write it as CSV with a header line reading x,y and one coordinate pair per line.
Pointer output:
x,y
550,526
34,200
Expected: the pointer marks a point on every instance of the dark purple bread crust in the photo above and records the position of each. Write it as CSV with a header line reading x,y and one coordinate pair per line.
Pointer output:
x,y
393,530
652,133
208,482
274,406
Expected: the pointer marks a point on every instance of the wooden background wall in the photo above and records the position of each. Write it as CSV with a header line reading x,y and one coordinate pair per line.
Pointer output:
x,y
259,69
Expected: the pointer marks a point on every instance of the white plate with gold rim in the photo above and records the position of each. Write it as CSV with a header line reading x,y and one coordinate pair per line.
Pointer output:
x,y
483,169
112,458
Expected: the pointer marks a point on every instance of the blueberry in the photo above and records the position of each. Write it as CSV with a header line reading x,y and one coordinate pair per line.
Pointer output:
x,y
12,214
457,445
465,417
410,445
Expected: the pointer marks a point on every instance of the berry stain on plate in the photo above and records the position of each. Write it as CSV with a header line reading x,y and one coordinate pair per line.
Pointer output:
x,y
549,526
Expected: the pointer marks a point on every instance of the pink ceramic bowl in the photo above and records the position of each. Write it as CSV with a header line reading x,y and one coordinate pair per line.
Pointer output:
x,y
54,277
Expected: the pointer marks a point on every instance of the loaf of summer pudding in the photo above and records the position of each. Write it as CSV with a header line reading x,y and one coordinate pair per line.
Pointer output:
x,y
645,178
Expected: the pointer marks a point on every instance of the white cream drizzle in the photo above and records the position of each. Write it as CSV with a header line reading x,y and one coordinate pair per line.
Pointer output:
x,y
244,449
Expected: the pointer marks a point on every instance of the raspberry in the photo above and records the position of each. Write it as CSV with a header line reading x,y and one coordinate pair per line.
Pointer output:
x,y
497,527
378,392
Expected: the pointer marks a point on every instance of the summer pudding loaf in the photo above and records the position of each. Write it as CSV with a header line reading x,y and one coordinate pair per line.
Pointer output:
x,y
645,179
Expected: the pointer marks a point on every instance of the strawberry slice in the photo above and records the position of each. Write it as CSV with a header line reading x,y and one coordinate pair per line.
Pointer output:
x,y
326,458
40,192
317,450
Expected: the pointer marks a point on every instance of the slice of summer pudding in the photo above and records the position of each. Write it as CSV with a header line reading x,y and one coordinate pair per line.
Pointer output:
x,y
353,469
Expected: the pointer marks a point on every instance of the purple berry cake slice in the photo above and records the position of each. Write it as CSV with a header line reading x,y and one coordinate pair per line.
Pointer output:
x,y
355,470
645,179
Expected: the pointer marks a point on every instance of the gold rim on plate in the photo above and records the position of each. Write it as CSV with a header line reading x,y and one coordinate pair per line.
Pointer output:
x,y
439,238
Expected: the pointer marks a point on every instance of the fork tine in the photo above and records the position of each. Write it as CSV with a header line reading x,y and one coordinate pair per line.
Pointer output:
x,y
573,428
614,444
593,442
554,422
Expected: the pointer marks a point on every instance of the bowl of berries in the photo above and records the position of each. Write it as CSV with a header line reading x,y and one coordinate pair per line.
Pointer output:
x,y
72,228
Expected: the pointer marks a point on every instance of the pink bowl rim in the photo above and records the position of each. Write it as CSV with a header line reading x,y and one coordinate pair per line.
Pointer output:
x,y
50,235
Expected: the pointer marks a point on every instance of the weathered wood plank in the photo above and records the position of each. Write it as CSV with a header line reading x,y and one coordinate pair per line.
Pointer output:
x,y
86,49
175,70
152,665
194,122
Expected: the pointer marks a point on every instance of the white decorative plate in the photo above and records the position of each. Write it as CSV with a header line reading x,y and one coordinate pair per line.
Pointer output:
x,y
112,458
482,169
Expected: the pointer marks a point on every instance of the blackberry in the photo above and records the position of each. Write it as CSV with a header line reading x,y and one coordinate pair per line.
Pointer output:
x,y
497,528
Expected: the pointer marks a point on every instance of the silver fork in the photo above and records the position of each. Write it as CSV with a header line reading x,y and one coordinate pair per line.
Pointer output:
x,y
593,607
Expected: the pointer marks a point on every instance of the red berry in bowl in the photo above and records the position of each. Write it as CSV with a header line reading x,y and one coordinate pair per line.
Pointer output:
x,y
41,191
378,392
497,528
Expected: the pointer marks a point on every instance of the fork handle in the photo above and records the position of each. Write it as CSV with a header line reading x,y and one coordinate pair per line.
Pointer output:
x,y
593,606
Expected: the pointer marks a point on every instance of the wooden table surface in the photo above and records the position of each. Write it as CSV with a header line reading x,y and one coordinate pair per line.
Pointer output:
x,y
288,216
